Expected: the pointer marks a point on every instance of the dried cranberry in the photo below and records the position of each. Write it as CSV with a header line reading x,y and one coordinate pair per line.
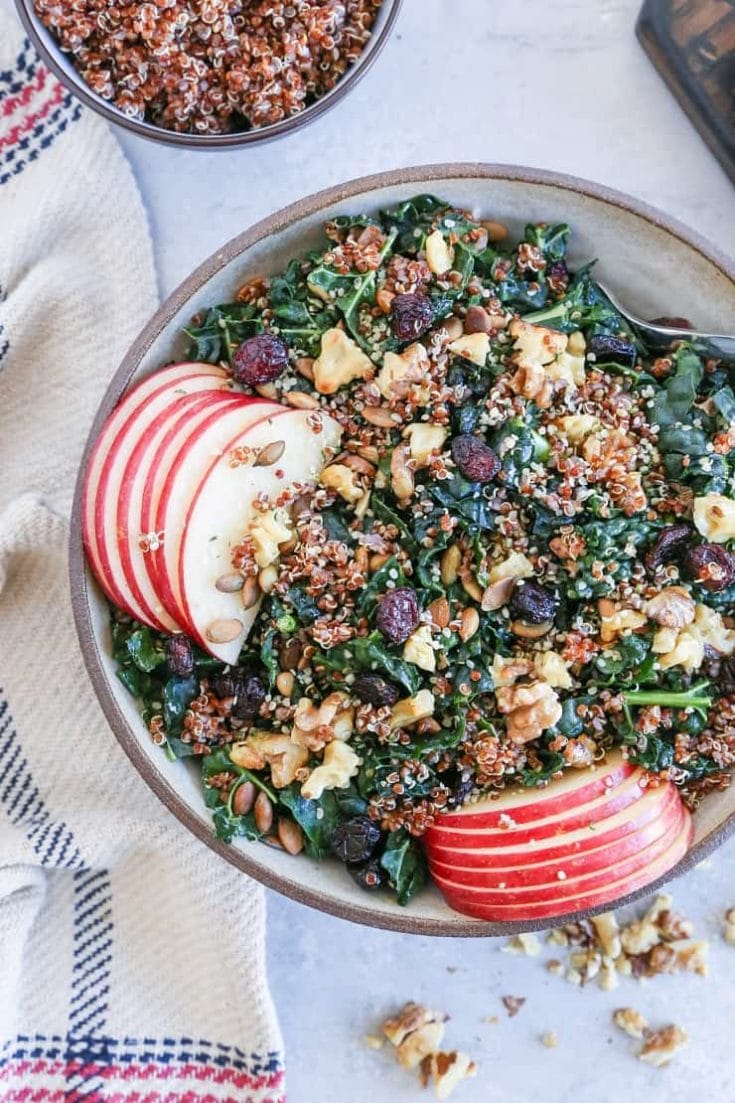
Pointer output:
x,y
355,840
710,565
413,314
369,876
179,655
375,690
607,349
669,544
260,359
398,614
245,686
475,459
251,694
461,791
719,669
532,602
557,277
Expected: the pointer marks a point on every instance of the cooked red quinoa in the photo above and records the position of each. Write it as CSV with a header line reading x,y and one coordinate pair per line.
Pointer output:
x,y
211,66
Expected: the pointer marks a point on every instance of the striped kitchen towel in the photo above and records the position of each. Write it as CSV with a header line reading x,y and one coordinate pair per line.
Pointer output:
x,y
132,963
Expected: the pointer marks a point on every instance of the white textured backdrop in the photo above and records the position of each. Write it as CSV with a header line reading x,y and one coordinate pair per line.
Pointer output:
x,y
563,86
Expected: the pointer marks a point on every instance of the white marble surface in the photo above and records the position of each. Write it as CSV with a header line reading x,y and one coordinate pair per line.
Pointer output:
x,y
563,86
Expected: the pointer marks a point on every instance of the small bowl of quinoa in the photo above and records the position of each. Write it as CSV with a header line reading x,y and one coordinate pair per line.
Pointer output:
x,y
209,74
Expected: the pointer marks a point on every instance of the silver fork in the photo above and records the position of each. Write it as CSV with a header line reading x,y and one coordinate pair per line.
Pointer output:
x,y
718,345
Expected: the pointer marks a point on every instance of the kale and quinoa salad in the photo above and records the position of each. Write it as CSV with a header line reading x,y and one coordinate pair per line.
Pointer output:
x,y
521,557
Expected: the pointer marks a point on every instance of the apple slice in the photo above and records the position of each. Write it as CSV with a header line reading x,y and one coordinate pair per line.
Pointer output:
x,y
161,388
565,905
224,504
586,816
163,460
175,477
575,787
546,891
519,874
653,804
185,414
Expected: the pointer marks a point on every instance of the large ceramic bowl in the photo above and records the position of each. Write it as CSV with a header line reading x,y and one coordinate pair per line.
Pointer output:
x,y
656,266
61,65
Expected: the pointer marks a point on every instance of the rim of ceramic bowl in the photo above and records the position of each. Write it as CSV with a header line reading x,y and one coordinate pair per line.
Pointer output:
x,y
60,64
400,920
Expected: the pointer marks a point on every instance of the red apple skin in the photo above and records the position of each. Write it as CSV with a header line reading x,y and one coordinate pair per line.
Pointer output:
x,y
549,892
156,561
522,874
184,412
528,805
620,798
121,422
495,852
562,907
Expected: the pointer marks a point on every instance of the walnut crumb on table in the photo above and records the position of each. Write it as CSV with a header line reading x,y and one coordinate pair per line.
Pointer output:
x,y
660,941
729,932
659,1046
549,1039
416,1032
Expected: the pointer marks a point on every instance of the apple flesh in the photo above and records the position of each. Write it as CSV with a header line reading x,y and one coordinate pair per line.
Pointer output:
x,y
620,827
567,868
185,414
174,480
564,905
222,507
524,854
586,816
575,787
118,436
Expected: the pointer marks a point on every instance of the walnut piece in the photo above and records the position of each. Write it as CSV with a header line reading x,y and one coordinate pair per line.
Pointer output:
x,y
412,1016
472,346
530,709
575,427
620,621
527,944
418,649
338,766
267,531
662,1045
630,1021
315,726
424,440
403,371
446,1070
409,710
541,361
339,477
284,757
502,578
714,517
340,361
551,668
674,607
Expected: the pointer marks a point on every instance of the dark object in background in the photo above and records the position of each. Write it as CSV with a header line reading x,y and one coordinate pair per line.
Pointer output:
x,y
692,44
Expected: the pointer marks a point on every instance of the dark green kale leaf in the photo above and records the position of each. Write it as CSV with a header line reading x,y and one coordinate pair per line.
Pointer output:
x,y
550,763
178,693
551,240
390,572
316,818
630,660
673,402
466,500
227,825
218,335
583,306
404,861
412,220
349,293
